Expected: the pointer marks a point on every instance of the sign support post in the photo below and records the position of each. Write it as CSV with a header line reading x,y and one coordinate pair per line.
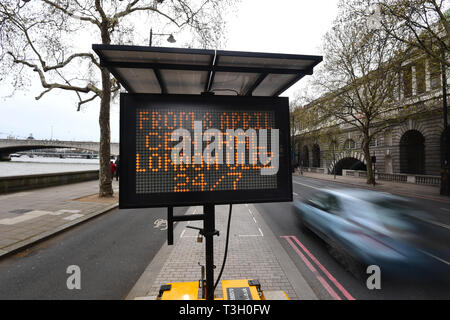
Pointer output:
x,y
209,230
170,225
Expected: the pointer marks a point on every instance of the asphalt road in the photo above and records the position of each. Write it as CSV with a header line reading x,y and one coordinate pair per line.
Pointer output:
x,y
111,251
327,277
114,249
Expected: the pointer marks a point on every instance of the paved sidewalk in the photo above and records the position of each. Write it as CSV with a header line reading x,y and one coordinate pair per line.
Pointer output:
x,y
253,253
431,192
29,216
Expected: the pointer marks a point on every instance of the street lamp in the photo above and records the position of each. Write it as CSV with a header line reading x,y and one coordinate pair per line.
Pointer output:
x,y
293,142
445,174
170,39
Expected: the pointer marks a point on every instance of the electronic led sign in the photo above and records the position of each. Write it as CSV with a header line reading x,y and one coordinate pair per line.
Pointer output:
x,y
194,150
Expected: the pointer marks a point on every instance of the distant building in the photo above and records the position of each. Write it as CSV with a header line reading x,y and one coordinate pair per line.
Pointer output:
x,y
412,146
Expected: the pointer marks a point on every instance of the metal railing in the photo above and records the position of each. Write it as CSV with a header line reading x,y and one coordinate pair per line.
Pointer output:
x,y
397,177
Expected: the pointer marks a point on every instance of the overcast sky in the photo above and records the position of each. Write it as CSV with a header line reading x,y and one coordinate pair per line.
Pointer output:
x,y
283,26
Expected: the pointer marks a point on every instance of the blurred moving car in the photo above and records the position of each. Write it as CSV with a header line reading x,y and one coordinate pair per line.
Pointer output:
x,y
364,227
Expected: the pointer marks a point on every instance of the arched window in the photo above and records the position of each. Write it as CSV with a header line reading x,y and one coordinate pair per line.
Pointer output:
x,y
412,152
349,144
316,156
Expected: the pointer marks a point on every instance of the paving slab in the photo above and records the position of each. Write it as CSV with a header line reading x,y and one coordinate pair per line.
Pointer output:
x,y
253,253
28,217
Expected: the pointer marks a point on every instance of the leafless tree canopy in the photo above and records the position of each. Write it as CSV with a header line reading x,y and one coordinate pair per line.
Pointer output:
x,y
44,36
51,40
359,75
421,24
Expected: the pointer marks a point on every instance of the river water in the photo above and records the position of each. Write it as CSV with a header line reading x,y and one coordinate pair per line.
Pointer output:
x,y
25,165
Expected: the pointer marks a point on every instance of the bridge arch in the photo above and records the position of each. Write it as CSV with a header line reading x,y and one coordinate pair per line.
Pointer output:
x,y
8,146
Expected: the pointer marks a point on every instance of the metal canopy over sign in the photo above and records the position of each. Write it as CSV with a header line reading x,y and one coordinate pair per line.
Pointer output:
x,y
195,150
193,71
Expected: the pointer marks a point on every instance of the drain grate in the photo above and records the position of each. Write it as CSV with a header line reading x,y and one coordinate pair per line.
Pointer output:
x,y
20,211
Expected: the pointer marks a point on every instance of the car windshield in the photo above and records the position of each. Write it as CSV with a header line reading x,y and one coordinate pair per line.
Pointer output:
x,y
326,201
397,214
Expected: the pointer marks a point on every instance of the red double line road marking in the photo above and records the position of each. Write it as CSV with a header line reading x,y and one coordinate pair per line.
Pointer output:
x,y
330,290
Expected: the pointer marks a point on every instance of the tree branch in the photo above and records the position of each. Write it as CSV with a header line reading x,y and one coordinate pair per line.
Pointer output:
x,y
71,14
70,58
86,101
50,86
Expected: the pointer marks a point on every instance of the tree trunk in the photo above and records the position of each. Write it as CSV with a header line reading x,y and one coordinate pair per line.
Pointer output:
x,y
366,149
105,178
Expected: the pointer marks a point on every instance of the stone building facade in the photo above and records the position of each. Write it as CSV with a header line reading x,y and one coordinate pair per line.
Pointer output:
x,y
411,146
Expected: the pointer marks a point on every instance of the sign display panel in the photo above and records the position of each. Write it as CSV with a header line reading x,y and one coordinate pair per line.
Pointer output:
x,y
194,150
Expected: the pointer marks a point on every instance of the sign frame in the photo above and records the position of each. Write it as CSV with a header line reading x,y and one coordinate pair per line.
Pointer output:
x,y
128,198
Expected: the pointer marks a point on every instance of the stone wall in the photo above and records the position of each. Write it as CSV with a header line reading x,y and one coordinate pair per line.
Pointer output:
x,y
387,149
20,183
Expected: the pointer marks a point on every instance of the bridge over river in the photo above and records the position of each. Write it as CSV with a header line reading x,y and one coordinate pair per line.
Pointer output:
x,y
8,146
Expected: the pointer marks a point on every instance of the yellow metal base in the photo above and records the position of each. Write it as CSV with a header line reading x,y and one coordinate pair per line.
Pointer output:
x,y
242,289
180,291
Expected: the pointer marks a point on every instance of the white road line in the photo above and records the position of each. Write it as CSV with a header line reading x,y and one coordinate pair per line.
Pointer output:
x,y
261,234
445,209
438,223
295,194
73,216
306,185
437,258
26,216
188,223
59,212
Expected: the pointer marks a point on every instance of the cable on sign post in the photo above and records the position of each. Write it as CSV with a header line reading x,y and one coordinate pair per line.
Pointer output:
x,y
226,248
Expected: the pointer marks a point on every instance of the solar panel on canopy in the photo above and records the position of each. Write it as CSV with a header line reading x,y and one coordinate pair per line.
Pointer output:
x,y
194,71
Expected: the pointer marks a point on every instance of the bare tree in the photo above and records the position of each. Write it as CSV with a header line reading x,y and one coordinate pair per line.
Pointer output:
x,y
360,77
43,36
420,24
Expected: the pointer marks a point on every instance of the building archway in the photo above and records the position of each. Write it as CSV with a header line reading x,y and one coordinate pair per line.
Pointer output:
x,y
316,156
349,163
305,157
412,152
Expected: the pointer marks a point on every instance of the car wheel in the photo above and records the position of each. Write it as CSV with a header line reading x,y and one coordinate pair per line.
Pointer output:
x,y
302,225
352,265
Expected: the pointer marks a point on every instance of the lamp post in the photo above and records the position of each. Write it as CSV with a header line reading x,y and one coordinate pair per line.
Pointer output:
x,y
445,172
170,39
293,142
334,158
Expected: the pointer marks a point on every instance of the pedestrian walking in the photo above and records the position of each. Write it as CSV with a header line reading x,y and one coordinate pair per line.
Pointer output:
x,y
113,169
117,168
